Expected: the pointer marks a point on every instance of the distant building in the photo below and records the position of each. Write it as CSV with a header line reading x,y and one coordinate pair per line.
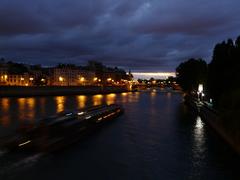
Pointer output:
x,y
86,77
18,74
20,80
3,75
71,76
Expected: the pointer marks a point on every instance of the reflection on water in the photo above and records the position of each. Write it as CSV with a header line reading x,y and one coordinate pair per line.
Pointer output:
x,y
97,99
5,121
27,108
199,137
153,93
169,94
21,103
42,105
81,101
111,98
149,137
133,97
21,108
31,103
124,94
5,104
124,97
60,102
31,108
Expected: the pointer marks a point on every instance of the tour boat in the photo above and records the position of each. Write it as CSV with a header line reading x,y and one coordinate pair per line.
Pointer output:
x,y
62,129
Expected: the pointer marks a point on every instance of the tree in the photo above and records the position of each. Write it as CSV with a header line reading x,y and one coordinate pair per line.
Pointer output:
x,y
16,68
191,73
224,70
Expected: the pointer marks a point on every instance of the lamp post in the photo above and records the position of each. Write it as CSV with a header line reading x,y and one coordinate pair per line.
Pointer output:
x,y
82,80
61,80
200,91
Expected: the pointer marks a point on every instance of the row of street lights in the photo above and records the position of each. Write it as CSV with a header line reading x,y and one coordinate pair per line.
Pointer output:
x,y
82,79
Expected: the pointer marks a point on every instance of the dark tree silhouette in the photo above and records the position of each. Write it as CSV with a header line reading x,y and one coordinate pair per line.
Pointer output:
x,y
224,70
191,73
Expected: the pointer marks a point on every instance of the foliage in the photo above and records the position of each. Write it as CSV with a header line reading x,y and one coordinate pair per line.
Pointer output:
x,y
224,70
16,68
191,73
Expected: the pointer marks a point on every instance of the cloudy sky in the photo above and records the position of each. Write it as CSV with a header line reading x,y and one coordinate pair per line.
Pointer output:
x,y
142,35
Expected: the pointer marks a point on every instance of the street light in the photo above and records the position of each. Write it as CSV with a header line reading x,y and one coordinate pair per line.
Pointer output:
x,y
60,78
82,79
200,91
200,88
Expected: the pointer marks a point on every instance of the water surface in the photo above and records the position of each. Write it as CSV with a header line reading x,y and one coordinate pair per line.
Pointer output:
x,y
156,138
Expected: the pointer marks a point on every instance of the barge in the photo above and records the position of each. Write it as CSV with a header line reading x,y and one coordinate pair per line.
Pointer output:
x,y
62,129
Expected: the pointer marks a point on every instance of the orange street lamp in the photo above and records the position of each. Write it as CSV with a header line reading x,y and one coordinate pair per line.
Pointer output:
x,y
95,79
82,79
60,79
31,79
22,79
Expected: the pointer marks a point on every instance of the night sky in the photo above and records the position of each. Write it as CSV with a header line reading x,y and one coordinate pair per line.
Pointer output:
x,y
142,35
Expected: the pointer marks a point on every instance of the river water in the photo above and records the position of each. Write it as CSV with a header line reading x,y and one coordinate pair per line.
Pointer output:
x,y
156,138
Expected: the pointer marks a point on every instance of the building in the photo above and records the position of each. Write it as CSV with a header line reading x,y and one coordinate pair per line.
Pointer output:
x,y
86,77
71,76
3,76
18,74
19,80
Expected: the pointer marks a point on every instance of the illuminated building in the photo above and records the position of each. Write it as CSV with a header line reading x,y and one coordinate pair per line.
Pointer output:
x,y
71,76
20,80
3,76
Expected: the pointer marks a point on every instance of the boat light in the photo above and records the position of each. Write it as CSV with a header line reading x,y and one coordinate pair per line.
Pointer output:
x,y
80,113
22,144
88,117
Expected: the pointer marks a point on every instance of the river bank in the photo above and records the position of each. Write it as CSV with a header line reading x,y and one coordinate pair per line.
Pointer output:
x,y
23,91
213,118
227,132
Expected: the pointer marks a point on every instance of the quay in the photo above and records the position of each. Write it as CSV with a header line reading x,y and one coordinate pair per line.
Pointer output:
x,y
24,91
214,119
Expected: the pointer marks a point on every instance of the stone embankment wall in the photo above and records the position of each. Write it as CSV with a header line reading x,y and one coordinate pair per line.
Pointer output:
x,y
17,91
225,128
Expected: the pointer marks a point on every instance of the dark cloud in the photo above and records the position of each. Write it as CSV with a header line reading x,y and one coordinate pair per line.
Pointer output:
x,y
147,35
